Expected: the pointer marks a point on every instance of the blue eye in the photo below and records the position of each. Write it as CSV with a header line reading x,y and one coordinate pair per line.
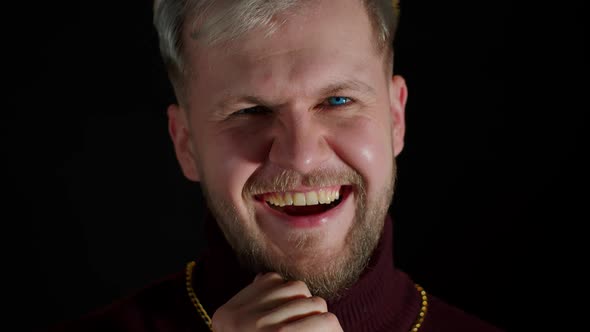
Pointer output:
x,y
338,101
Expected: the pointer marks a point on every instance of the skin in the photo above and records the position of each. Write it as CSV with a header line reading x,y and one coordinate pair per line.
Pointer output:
x,y
321,51
271,304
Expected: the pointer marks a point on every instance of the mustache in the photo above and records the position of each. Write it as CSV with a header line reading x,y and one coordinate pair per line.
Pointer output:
x,y
288,180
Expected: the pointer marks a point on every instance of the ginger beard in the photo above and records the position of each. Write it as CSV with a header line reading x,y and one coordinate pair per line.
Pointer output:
x,y
326,274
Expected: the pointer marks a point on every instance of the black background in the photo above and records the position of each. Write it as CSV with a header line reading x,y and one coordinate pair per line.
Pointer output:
x,y
96,206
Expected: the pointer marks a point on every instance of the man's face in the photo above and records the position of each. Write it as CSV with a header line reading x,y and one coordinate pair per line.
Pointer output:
x,y
308,115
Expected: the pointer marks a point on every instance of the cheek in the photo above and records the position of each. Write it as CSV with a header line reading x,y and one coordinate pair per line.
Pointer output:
x,y
366,146
229,158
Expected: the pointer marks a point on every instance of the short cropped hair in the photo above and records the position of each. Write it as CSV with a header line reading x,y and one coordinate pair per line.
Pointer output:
x,y
225,20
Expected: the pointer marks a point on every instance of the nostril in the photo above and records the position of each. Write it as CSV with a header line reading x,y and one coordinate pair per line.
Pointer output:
x,y
300,149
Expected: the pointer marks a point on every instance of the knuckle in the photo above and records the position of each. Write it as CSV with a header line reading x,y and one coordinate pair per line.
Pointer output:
x,y
225,318
217,321
319,302
260,323
271,275
330,318
297,285
219,315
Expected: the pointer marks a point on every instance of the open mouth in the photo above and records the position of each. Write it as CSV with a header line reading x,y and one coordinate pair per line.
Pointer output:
x,y
306,203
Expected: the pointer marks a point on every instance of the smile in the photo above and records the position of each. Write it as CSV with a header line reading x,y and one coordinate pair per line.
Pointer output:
x,y
305,203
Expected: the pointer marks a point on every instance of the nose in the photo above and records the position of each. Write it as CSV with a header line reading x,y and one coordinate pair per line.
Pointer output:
x,y
299,143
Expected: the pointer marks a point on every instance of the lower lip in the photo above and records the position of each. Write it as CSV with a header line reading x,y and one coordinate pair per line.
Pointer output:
x,y
310,221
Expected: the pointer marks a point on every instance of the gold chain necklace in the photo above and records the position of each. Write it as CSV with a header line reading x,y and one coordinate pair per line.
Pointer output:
x,y
195,300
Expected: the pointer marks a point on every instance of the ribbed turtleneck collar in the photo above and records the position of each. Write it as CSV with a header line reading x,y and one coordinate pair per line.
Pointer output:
x,y
383,299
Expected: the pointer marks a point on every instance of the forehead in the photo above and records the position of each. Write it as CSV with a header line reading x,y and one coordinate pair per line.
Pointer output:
x,y
321,43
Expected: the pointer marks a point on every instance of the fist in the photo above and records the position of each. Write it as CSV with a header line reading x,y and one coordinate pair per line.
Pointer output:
x,y
271,304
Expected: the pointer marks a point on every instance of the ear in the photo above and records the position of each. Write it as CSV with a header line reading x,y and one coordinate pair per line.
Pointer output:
x,y
398,96
179,129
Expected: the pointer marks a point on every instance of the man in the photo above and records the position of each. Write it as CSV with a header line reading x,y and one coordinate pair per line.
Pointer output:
x,y
290,117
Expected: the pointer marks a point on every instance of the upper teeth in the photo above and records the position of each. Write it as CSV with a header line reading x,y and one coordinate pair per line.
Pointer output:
x,y
322,196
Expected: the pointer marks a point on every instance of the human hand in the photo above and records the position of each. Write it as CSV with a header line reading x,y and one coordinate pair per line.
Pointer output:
x,y
271,304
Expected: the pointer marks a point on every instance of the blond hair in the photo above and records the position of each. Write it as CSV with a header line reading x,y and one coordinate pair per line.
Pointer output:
x,y
223,20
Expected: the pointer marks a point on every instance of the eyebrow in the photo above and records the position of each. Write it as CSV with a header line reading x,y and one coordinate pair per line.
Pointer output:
x,y
329,90
334,88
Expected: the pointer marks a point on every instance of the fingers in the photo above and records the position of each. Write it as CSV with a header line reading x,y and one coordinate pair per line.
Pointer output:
x,y
324,322
274,291
293,310
261,285
268,278
282,293
270,303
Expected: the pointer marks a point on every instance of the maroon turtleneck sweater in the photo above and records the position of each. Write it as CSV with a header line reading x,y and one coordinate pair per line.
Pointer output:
x,y
383,299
